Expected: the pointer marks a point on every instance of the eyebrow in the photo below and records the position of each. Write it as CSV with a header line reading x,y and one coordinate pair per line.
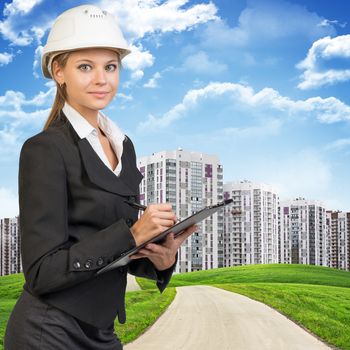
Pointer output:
x,y
87,60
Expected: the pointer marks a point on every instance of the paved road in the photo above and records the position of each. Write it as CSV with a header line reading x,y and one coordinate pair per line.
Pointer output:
x,y
131,283
207,318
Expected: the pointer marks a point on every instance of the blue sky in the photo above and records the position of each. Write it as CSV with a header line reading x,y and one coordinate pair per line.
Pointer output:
x,y
263,84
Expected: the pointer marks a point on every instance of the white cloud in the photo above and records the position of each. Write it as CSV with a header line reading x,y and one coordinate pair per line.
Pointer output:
x,y
137,18
12,99
17,30
17,125
137,61
338,145
153,82
327,23
124,97
16,99
37,60
326,110
200,63
20,116
22,120
264,21
10,142
42,98
14,29
324,49
218,34
9,207
120,101
5,58
20,7
136,75
141,17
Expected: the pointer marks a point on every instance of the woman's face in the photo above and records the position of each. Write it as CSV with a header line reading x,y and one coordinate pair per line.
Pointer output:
x,y
91,77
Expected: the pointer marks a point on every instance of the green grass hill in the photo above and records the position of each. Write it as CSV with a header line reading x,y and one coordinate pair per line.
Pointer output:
x,y
273,273
317,298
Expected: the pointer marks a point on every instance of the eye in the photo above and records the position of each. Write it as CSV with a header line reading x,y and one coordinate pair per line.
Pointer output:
x,y
84,67
111,67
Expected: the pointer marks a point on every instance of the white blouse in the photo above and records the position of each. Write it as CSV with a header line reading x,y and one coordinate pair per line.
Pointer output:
x,y
110,129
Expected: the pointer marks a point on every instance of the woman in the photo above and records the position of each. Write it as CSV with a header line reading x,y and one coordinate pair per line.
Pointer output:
x,y
74,178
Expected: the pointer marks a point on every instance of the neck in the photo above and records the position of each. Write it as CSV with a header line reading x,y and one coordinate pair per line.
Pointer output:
x,y
89,114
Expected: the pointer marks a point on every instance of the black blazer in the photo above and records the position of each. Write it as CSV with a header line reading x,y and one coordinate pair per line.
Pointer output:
x,y
73,221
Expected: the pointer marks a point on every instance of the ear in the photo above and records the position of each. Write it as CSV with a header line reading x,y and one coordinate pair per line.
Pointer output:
x,y
57,72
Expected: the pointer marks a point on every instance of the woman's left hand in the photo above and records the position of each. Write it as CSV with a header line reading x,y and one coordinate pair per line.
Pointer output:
x,y
163,255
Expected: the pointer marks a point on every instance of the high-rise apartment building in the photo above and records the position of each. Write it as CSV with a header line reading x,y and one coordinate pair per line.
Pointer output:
x,y
10,246
302,231
189,181
338,225
251,236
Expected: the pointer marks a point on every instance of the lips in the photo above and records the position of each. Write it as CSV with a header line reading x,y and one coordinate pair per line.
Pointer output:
x,y
99,94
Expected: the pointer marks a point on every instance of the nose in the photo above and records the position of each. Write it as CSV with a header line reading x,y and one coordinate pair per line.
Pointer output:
x,y
100,76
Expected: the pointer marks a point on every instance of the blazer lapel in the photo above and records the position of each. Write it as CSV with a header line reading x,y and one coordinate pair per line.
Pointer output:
x,y
126,184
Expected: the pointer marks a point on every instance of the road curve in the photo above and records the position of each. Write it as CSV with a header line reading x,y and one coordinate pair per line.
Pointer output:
x,y
132,283
207,318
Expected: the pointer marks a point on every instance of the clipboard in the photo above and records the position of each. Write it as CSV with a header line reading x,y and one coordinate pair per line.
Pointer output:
x,y
178,228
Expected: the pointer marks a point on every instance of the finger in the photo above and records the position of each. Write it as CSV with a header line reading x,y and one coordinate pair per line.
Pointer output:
x,y
163,218
187,233
156,248
161,206
165,222
136,256
146,253
170,236
169,215
169,239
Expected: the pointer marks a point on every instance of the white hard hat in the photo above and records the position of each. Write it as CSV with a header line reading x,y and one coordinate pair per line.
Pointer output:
x,y
80,27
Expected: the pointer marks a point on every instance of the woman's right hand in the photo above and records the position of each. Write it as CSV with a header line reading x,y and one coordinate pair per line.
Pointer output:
x,y
154,220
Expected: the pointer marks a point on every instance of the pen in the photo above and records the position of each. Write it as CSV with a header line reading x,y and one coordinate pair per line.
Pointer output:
x,y
140,206
136,205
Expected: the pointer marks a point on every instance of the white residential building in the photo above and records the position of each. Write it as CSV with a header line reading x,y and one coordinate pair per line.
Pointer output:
x,y
303,233
251,236
189,181
338,225
10,259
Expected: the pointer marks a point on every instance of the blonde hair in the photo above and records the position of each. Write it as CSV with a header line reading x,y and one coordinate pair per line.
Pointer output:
x,y
61,93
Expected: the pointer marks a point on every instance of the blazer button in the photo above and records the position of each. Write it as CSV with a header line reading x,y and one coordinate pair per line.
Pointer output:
x,y
129,222
99,261
88,264
76,264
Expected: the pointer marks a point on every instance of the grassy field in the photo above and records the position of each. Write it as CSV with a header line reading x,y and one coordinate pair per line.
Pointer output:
x,y
323,310
317,298
142,310
142,307
274,273
10,289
